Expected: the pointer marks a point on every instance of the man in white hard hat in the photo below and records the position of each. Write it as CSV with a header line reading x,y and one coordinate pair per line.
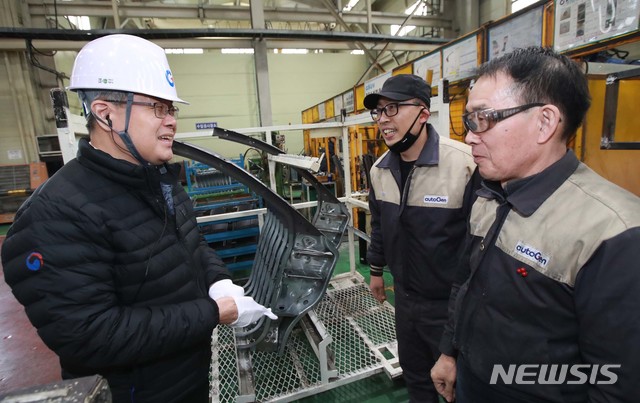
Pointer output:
x,y
106,256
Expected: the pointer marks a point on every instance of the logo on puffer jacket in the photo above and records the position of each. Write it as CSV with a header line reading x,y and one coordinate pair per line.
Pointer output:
x,y
34,261
436,199
532,254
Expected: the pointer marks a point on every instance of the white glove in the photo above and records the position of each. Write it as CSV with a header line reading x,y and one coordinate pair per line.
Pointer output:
x,y
250,311
225,288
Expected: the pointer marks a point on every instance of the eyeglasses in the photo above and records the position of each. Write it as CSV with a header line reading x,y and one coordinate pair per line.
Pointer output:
x,y
480,121
389,110
161,110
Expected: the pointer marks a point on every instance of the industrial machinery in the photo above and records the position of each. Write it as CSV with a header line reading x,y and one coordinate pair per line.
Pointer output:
x,y
17,182
331,217
292,274
293,263
609,141
612,102
215,192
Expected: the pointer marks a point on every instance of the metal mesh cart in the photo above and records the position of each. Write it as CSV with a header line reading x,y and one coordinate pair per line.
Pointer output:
x,y
347,337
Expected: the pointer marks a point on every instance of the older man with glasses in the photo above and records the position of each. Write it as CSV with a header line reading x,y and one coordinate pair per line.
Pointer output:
x,y
106,256
545,306
421,194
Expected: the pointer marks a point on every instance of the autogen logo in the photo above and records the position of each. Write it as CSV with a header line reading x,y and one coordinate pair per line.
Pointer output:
x,y
435,199
532,254
554,374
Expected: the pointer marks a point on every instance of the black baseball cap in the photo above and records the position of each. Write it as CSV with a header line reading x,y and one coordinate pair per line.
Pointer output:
x,y
401,88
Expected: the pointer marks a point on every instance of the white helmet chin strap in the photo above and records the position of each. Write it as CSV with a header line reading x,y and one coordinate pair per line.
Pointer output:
x,y
124,135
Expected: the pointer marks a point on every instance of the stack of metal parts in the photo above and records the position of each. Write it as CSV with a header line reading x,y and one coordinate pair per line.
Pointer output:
x,y
210,187
215,192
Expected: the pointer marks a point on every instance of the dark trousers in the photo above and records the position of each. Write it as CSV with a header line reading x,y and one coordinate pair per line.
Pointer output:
x,y
198,395
471,389
419,326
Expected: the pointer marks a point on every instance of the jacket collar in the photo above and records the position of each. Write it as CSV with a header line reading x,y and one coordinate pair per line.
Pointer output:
x,y
526,195
124,172
430,154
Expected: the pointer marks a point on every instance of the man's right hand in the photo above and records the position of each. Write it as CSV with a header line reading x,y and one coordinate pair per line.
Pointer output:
x,y
376,285
241,311
249,311
443,375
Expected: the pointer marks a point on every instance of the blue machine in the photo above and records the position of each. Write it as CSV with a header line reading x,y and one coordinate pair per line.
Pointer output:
x,y
214,192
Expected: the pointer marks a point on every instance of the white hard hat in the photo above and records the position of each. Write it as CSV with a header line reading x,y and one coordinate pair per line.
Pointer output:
x,y
124,63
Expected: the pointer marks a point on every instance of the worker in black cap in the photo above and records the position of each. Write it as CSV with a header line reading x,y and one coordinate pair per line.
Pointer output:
x,y
421,194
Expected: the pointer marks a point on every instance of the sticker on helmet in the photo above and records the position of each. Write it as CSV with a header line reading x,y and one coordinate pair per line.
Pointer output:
x,y
169,78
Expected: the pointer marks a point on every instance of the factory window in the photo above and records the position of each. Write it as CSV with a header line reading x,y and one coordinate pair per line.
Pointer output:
x,y
285,51
520,4
418,8
350,5
237,51
81,22
183,51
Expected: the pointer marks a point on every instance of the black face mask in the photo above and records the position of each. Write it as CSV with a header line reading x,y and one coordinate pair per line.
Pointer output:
x,y
408,139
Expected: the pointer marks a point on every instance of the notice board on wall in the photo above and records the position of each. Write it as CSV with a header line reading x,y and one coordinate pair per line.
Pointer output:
x,y
583,22
519,32
460,60
430,62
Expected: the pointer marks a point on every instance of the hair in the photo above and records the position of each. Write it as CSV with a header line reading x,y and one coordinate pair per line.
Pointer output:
x,y
88,96
542,75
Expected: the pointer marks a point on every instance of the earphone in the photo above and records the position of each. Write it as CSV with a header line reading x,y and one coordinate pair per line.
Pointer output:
x,y
109,121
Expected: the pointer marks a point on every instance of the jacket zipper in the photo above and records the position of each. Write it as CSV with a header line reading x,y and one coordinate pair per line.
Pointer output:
x,y
179,209
476,257
405,191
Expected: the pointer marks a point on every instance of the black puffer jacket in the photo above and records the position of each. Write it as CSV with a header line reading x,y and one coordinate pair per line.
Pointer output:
x,y
114,283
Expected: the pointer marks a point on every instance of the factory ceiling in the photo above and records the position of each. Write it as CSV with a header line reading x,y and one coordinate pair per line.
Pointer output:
x,y
372,26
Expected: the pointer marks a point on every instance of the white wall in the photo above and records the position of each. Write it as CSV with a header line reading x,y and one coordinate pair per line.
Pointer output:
x,y
11,147
491,10
221,88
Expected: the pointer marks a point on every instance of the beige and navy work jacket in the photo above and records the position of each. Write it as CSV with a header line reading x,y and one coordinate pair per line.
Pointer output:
x,y
417,231
553,279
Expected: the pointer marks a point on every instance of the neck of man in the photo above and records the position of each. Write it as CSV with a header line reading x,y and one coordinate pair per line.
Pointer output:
x,y
110,143
543,159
